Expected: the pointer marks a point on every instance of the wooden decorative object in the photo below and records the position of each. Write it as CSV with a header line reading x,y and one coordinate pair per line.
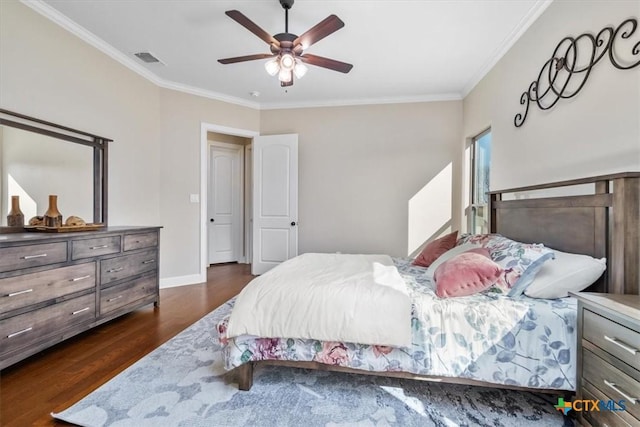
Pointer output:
x,y
53,217
15,217
64,228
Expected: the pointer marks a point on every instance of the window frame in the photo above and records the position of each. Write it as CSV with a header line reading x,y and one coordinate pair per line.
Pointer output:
x,y
473,203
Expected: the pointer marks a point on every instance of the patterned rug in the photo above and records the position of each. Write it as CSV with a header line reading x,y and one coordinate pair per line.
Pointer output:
x,y
183,383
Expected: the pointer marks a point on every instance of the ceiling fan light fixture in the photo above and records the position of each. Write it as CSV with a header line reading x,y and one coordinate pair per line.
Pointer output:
x,y
285,76
286,48
287,62
272,66
300,69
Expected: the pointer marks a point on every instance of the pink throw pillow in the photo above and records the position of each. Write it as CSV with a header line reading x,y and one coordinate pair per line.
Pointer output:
x,y
466,274
434,249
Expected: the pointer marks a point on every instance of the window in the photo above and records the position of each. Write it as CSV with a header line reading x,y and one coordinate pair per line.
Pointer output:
x,y
480,167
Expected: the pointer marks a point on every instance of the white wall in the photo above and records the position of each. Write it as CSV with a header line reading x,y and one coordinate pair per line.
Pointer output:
x,y
361,167
596,132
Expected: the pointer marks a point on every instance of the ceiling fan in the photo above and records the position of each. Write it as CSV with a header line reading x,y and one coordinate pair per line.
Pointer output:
x,y
287,49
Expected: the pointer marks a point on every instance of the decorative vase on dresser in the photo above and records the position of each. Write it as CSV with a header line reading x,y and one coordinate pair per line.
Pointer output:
x,y
15,217
56,285
53,217
608,355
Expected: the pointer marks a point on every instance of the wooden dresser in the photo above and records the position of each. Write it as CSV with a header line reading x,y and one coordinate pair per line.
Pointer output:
x,y
609,357
56,285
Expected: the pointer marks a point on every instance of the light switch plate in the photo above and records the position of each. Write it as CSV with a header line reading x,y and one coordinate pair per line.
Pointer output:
x,y
194,198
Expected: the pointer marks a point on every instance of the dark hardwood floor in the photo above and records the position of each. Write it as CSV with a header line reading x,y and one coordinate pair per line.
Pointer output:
x,y
56,378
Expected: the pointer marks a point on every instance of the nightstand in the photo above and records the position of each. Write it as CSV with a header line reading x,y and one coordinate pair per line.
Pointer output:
x,y
608,356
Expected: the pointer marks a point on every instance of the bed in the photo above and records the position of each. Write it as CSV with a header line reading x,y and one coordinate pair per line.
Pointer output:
x,y
485,339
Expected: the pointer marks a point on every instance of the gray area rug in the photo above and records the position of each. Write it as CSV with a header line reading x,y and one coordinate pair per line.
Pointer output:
x,y
183,383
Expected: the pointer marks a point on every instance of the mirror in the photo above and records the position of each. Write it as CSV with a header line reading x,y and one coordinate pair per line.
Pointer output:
x,y
39,158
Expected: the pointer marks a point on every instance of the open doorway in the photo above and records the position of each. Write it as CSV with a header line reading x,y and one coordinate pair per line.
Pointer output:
x,y
275,159
232,138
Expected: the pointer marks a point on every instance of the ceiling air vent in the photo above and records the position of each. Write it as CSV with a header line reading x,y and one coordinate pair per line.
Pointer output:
x,y
147,57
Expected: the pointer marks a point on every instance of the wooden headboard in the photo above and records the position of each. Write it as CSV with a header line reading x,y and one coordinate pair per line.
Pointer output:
x,y
605,223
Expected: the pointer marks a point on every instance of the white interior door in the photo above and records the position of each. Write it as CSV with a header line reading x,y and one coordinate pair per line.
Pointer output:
x,y
275,201
224,228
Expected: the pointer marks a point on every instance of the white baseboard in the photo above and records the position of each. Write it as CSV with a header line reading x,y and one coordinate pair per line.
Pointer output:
x,y
171,282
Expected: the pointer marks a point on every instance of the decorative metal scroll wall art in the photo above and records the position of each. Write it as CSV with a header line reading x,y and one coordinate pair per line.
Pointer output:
x,y
570,65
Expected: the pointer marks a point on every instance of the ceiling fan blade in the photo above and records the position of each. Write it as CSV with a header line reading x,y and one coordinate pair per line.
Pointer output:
x,y
321,30
323,62
245,58
241,19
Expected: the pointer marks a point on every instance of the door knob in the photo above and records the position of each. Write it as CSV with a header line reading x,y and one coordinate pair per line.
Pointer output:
x,y
293,223
212,220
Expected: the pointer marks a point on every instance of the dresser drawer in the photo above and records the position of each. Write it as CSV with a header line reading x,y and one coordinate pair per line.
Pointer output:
x,y
25,329
140,240
88,248
19,257
605,418
121,267
611,381
620,341
118,296
33,288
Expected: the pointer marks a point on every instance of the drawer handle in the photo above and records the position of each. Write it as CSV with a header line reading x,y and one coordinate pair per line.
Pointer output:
x,y
149,261
34,256
79,311
622,345
80,278
633,400
15,334
113,299
98,247
26,291
115,270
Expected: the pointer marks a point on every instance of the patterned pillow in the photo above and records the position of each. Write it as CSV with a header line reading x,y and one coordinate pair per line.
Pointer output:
x,y
520,261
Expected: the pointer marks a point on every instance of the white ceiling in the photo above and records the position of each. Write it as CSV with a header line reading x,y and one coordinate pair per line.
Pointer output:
x,y
402,51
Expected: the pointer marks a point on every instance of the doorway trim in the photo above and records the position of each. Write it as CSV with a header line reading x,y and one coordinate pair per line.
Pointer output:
x,y
205,128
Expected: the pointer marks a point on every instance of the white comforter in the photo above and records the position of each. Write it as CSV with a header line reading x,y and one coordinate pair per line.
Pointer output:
x,y
329,297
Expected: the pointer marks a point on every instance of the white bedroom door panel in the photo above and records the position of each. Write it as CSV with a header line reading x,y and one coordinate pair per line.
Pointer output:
x,y
224,204
275,201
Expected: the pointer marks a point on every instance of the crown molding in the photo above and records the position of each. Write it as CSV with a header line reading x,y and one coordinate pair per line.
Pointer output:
x,y
87,36
208,94
366,101
534,13
55,16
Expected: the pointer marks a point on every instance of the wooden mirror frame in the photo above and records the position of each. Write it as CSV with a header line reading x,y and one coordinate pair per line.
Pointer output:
x,y
100,156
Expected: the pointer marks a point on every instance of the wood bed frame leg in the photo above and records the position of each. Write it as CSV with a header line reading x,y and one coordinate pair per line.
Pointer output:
x,y
245,376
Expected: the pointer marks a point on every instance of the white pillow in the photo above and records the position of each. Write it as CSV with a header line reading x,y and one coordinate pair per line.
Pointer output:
x,y
567,272
456,250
